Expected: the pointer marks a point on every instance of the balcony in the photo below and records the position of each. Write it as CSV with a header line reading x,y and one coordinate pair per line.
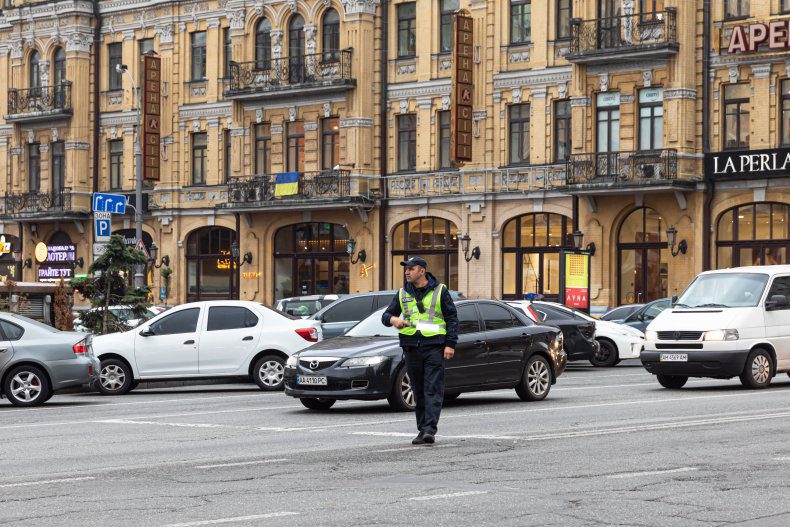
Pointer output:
x,y
45,205
46,103
323,189
316,73
518,180
613,172
631,37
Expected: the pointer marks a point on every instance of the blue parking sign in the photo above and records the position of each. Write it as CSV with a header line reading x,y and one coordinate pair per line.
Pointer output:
x,y
102,226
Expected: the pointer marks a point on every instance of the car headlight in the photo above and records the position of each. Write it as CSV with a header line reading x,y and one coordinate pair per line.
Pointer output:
x,y
719,335
651,336
362,362
292,361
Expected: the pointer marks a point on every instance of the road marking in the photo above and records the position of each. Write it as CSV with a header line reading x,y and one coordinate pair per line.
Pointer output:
x,y
411,448
383,434
45,482
243,463
234,520
651,473
451,495
782,458
157,423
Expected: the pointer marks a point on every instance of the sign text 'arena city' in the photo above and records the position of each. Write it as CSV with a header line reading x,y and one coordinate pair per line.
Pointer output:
x,y
745,38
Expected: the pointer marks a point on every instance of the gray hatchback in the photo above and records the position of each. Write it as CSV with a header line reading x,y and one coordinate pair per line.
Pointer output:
x,y
37,360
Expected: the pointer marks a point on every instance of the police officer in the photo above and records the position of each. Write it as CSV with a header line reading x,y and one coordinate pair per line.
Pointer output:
x,y
427,323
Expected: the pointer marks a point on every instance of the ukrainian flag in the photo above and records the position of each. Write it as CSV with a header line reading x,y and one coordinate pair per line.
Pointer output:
x,y
286,184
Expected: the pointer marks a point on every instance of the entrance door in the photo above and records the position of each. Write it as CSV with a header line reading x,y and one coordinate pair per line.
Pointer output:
x,y
541,274
643,275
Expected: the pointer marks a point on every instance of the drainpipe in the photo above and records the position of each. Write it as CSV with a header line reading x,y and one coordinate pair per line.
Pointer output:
x,y
706,98
383,145
96,92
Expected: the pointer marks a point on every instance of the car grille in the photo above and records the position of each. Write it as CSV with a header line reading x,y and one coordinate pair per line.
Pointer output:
x,y
331,386
317,364
679,335
679,346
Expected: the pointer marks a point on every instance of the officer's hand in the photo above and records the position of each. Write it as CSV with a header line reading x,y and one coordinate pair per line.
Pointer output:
x,y
399,323
448,353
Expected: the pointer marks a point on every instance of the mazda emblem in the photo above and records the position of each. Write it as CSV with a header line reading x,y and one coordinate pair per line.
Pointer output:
x,y
314,364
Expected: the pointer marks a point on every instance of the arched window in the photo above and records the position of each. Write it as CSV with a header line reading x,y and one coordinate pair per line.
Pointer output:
x,y
330,36
531,246
59,67
296,59
263,44
210,274
642,256
753,234
434,239
35,72
311,259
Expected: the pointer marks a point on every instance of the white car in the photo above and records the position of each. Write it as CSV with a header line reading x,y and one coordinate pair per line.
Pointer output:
x,y
617,341
213,339
121,315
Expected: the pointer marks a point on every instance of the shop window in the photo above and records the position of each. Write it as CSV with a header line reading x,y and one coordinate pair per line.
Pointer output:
x,y
210,274
753,234
642,255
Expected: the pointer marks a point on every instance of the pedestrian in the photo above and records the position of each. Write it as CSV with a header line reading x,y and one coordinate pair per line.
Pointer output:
x,y
425,316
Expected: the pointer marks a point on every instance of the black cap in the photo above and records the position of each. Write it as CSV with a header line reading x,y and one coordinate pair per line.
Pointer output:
x,y
415,260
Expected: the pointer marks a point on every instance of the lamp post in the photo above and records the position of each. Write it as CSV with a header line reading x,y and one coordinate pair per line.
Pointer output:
x,y
351,247
578,241
139,277
235,252
153,254
465,240
672,238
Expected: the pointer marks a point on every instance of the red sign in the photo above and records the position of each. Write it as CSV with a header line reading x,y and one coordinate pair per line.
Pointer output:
x,y
746,38
463,89
152,78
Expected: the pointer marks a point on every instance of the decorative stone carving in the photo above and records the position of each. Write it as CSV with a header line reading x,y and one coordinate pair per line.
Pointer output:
x,y
627,98
195,126
165,34
357,7
404,106
581,102
292,113
520,56
259,115
44,72
292,5
445,64
604,80
309,33
277,129
562,90
682,93
445,102
277,44
55,135
406,69
79,42
358,122
237,18
16,48
516,96
198,91
310,126
327,109
113,133
647,78
761,71
31,136
733,74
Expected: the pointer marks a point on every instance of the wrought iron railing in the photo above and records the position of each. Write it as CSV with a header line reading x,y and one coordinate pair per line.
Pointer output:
x,y
280,73
323,185
644,30
37,201
41,99
623,167
506,180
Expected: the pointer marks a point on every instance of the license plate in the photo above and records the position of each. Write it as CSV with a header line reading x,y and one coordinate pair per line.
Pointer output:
x,y
311,380
673,357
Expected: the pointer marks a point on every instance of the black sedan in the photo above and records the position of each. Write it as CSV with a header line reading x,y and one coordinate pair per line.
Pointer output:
x,y
579,332
498,347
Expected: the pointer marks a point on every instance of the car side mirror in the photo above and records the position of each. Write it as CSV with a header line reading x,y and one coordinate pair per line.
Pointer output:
x,y
147,332
674,300
776,302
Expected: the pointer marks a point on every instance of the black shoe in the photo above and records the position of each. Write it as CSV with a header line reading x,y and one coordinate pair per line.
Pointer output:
x,y
428,439
419,440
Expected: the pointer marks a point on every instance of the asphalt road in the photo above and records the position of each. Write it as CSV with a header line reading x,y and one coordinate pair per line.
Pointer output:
x,y
609,446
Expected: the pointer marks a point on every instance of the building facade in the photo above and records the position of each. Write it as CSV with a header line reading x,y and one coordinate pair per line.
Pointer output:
x,y
316,135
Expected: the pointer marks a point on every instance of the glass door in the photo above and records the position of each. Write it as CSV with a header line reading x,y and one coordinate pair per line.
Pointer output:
x,y
541,274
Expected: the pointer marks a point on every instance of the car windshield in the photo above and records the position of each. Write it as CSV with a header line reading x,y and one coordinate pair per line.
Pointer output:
x,y
723,290
301,308
281,313
372,327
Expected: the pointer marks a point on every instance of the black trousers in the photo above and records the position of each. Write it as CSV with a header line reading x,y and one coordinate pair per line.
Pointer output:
x,y
425,366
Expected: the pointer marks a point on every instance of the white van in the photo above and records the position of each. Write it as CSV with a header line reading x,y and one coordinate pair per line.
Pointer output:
x,y
727,323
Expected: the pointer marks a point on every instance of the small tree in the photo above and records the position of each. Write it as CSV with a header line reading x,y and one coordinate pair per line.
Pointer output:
x,y
64,320
107,286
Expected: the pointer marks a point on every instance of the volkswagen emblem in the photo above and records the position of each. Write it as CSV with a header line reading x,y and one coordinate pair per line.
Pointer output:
x,y
314,364
677,335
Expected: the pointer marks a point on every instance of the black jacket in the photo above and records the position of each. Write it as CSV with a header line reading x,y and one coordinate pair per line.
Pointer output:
x,y
448,312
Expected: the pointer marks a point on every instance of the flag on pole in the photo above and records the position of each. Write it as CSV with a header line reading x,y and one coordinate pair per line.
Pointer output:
x,y
286,184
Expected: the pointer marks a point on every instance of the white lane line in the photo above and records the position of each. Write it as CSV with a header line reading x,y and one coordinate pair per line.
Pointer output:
x,y
45,482
158,423
412,448
450,495
382,434
651,473
244,463
234,520
782,458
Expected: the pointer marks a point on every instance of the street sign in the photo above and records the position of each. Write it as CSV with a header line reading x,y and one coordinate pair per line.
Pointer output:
x,y
140,246
115,203
102,226
462,88
98,249
152,124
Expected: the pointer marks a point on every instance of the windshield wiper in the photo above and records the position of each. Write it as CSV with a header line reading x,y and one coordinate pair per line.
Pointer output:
x,y
712,305
681,305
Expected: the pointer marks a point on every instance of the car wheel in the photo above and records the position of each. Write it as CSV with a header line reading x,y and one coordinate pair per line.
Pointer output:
x,y
535,382
607,354
115,377
401,398
318,404
758,370
673,382
27,386
269,373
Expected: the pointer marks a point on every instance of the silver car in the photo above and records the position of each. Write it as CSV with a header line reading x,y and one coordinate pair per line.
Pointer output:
x,y
36,360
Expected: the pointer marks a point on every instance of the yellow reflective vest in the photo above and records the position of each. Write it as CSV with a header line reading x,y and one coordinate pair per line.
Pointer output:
x,y
430,322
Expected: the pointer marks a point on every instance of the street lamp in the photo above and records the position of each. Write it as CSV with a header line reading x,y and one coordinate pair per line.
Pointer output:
x,y
465,240
154,252
139,277
235,253
578,241
351,247
672,237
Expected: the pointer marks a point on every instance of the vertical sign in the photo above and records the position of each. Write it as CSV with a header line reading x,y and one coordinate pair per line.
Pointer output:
x,y
152,70
463,89
575,282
